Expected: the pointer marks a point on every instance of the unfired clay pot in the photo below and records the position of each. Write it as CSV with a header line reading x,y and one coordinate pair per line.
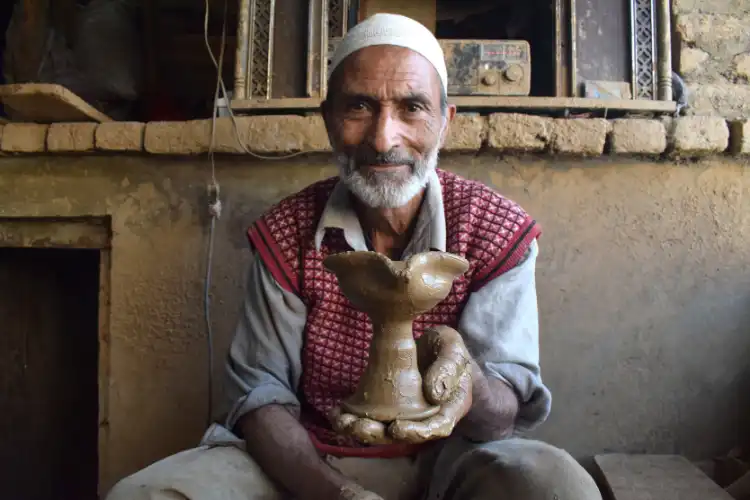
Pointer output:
x,y
393,294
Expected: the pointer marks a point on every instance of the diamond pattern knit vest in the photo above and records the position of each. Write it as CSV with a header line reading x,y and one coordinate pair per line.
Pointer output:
x,y
490,231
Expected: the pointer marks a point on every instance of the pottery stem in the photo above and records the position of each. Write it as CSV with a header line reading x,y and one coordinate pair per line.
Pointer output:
x,y
393,351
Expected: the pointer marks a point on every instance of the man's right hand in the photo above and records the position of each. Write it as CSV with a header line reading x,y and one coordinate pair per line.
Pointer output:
x,y
282,447
447,382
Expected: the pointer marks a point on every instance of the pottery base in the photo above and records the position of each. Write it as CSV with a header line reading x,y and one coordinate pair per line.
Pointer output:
x,y
381,413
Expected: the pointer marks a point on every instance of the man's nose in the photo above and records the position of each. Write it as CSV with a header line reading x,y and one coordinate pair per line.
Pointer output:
x,y
385,133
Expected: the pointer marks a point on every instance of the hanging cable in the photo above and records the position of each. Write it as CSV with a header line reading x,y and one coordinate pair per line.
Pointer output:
x,y
214,208
213,192
221,89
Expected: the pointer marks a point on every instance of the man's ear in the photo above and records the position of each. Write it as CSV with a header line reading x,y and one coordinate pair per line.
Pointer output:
x,y
450,114
325,111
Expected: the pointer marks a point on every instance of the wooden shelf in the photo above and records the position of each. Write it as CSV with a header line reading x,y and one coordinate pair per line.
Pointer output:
x,y
484,103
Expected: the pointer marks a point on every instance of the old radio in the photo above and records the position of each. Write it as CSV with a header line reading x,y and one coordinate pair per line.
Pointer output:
x,y
488,67
482,67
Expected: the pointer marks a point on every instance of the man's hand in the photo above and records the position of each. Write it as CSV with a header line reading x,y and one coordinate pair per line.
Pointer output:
x,y
282,447
446,379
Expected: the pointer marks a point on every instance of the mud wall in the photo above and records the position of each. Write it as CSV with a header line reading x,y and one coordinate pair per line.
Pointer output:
x,y
644,288
712,53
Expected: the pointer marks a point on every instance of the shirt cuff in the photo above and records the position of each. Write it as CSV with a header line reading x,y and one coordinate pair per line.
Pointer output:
x,y
257,398
534,398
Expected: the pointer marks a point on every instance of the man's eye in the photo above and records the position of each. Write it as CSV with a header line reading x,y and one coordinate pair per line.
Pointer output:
x,y
413,107
357,106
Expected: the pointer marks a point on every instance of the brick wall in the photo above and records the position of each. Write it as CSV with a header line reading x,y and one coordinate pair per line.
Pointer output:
x,y
686,137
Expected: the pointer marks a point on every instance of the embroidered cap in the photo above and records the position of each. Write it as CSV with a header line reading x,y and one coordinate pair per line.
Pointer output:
x,y
392,29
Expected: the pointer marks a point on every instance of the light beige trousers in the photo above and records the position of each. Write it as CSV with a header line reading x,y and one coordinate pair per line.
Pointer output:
x,y
513,469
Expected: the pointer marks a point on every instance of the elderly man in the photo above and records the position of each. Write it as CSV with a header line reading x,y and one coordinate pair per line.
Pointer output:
x,y
300,347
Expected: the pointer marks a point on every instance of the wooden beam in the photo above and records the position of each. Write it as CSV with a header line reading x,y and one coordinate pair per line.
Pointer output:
x,y
577,104
27,39
48,232
63,16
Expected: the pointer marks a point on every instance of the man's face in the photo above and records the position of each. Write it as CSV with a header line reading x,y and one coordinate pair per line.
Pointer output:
x,y
385,123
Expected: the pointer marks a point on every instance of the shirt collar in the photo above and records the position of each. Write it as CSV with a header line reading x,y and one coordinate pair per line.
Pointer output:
x,y
429,232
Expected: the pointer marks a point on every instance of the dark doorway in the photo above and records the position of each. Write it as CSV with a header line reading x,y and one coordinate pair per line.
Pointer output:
x,y
49,373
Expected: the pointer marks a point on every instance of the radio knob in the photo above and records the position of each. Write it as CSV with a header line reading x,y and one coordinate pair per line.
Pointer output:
x,y
514,73
489,80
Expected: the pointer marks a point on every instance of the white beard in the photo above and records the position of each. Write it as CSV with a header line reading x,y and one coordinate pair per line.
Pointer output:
x,y
386,189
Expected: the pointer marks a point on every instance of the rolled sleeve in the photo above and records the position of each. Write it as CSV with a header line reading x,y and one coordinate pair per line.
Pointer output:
x,y
500,325
264,361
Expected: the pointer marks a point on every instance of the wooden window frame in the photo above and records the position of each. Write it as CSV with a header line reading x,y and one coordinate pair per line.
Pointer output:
x,y
254,71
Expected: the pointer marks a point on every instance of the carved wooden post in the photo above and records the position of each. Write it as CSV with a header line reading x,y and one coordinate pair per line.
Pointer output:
x,y
665,50
240,62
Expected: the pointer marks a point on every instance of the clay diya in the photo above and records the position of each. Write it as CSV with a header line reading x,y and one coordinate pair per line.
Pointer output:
x,y
393,294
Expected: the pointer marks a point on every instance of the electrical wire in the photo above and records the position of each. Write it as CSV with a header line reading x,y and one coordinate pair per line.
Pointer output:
x,y
207,315
214,209
214,203
221,86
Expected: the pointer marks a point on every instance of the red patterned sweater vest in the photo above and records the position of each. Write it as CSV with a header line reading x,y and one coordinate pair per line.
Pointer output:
x,y
490,231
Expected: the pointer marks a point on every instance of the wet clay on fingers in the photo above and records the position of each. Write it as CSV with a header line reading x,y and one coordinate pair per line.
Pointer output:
x,y
393,294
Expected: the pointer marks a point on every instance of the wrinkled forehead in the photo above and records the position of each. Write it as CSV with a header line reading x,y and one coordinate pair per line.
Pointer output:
x,y
380,68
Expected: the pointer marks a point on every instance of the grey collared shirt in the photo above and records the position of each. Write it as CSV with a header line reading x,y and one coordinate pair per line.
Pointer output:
x,y
499,322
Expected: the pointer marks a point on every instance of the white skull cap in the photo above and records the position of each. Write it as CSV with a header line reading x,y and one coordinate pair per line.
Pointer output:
x,y
392,29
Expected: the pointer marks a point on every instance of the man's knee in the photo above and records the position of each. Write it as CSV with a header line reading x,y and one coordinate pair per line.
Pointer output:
x,y
140,487
521,469
198,474
129,491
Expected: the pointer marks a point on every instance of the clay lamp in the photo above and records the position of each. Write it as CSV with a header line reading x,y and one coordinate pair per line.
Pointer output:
x,y
393,294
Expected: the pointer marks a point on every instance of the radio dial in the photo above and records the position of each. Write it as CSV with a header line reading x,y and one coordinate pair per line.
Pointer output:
x,y
514,73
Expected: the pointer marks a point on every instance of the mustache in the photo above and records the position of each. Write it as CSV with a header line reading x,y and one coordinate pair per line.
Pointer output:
x,y
392,157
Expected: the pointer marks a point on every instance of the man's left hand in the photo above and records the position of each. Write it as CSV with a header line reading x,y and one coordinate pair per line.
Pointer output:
x,y
446,382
